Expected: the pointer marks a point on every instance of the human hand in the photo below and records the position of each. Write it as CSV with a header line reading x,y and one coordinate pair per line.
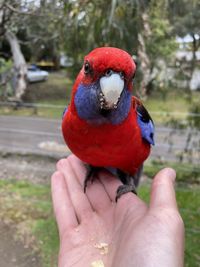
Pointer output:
x,y
94,228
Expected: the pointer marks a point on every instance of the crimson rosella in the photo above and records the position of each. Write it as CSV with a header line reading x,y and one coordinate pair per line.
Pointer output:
x,y
104,125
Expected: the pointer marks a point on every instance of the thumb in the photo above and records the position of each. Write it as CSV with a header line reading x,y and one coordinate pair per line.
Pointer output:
x,y
162,190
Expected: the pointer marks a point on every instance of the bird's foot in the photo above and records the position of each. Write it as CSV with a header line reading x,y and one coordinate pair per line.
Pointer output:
x,y
90,175
125,188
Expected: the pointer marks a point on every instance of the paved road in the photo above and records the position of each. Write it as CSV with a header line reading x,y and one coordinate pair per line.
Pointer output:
x,y
43,136
31,135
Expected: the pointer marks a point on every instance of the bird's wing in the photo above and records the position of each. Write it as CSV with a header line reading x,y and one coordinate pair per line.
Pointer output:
x,y
145,121
64,112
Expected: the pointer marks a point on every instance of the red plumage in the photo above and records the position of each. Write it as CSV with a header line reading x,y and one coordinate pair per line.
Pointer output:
x,y
107,145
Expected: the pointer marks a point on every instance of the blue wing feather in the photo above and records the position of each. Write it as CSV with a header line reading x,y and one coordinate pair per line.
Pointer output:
x,y
146,124
64,112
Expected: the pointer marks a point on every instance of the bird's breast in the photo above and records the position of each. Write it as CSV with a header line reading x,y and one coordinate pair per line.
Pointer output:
x,y
119,146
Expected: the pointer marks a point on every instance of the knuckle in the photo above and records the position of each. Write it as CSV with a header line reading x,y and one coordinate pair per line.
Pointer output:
x,y
61,163
55,175
179,221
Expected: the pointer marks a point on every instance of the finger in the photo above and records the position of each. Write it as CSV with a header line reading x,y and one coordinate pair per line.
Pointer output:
x,y
95,191
162,191
110,183
79,168
79,199
98,197
63,208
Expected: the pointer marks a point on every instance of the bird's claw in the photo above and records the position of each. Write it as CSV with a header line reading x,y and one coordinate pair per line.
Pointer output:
x,y
90,176
123,189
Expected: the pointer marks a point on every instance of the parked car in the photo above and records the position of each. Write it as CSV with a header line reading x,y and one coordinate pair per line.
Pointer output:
x,y
35,74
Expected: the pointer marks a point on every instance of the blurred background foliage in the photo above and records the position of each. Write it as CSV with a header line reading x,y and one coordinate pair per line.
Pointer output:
x,y
148,30
163,37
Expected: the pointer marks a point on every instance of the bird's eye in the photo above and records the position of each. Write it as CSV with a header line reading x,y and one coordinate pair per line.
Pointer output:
x,y
122,75
108,73
87,68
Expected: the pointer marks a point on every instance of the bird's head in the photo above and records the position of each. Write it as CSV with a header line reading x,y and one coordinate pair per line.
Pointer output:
x,y
102,91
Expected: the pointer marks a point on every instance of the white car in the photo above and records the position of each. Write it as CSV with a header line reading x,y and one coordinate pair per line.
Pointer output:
x,y
34,74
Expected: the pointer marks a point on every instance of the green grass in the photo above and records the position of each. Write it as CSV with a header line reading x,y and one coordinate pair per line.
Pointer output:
x,y
46,235
173,101
57,87
28,206
55,91
186,172
176,101
53,113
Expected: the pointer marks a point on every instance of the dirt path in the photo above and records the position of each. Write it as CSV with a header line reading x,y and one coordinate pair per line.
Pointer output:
x,y
13,253
36,169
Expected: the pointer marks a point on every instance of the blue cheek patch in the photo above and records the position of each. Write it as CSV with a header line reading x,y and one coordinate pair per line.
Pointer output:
x,y
88,106
86,101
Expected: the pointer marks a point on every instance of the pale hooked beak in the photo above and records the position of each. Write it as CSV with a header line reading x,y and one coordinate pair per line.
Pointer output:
x,y
111,89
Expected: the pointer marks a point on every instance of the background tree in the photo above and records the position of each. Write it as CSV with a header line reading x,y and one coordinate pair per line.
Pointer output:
x,y
146,29
9,18
37,24
140,27
186,21
44,32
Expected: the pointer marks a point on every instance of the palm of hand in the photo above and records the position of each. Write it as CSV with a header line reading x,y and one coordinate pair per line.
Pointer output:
x,y
93,228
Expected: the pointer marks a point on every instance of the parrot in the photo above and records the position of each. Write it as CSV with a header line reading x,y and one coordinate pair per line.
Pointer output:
x,y
104,125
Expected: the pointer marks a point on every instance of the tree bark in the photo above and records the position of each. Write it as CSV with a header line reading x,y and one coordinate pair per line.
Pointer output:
x,y
194,50
143,56
20,67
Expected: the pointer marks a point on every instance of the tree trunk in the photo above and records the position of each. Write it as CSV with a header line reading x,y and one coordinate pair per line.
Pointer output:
x,y
143,56
194,59
20,68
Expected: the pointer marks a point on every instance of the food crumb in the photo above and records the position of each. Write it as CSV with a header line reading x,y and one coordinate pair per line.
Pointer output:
x,y
98,263
103,247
